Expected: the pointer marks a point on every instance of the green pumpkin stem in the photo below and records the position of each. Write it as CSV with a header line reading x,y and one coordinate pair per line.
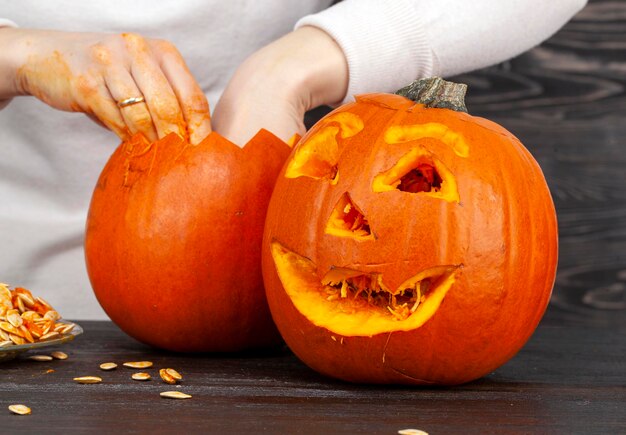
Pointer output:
x,y
436,92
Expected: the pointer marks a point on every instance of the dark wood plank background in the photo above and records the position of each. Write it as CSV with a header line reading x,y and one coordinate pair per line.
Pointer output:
x,y
566,101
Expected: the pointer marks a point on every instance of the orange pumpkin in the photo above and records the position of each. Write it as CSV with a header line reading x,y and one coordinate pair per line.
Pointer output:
x,y
409,243
173,241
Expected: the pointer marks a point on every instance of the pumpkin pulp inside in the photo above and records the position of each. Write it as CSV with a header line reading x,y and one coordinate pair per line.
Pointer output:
x,y
356,303
424,178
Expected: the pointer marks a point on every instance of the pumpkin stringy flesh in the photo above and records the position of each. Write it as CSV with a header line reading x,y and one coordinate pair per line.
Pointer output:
x,y
365,291
424,178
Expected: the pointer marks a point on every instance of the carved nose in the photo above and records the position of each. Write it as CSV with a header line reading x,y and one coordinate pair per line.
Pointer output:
x,y
347,220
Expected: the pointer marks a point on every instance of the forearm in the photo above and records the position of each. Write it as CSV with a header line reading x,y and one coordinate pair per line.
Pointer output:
x,y
306,65
10,51
390,44
319,66
470,35
275,86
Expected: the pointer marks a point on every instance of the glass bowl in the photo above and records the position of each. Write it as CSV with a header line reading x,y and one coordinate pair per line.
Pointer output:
x,y
9,352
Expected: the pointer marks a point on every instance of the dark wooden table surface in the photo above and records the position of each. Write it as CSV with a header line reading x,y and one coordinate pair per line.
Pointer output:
x,y
566,101
569,379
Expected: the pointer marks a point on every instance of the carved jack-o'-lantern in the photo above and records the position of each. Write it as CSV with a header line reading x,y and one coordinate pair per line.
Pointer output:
x,y
409,243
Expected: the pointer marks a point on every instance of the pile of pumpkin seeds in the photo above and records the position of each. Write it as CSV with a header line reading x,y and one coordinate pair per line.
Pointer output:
x,y
28,319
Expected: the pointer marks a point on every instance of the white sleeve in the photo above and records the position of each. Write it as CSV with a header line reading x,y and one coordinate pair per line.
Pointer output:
x,y
5,23
388,44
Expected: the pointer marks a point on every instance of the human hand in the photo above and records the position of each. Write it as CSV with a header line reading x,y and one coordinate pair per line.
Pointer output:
x,y
275,86
93,72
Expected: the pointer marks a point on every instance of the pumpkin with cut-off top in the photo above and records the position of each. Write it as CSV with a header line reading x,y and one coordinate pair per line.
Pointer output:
x,y
409,242
173,241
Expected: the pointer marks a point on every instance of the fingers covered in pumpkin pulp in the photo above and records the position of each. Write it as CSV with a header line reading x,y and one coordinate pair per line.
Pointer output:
x,y
193,102
126,82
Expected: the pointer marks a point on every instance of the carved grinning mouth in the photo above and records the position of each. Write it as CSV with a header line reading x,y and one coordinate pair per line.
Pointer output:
x,y
352,302
368,288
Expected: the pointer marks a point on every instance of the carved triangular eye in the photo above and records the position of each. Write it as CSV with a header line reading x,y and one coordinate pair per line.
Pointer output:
x,y
317,157
418,172
347,220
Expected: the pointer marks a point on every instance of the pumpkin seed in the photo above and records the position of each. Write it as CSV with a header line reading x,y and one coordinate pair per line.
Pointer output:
x,y
26,334
67,328
52,315
19,409
59,355
167,378
26,299
20,305
17,339
175,395
31,315
173,373
14,318
40,358
88,380
5,293
46,325
7,327
141,376
50,336
45,303
138,364
412,432
108,366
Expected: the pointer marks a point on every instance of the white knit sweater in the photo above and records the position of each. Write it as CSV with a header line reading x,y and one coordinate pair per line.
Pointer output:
x,y
50,160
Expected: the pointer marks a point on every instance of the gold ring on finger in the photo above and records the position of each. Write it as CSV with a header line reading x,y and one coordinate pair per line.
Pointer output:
x,y
130,101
